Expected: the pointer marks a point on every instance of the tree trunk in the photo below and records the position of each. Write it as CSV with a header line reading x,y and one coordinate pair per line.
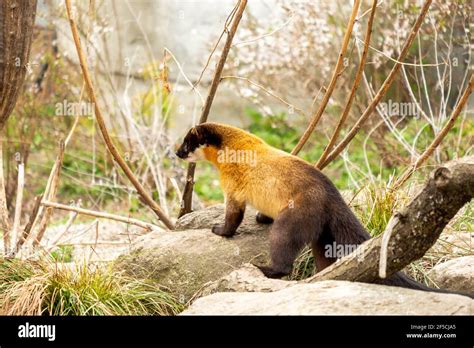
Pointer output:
x,y
17,18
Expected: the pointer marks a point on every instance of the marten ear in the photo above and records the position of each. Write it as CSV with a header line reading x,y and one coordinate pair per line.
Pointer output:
x,y
206,134
198,134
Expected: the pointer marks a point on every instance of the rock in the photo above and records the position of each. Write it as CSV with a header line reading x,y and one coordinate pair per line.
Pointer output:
x,y
212,215
246,279
186,259
334,298
456,274
454,242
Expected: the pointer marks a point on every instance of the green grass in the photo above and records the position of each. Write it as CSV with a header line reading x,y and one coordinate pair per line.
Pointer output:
x,y
375,204
48,288
63,253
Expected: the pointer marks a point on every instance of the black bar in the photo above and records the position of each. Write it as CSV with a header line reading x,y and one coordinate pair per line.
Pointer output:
x,y
286,330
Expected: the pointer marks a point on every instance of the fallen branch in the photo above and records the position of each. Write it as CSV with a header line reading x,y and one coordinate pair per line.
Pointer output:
x,y
355,85
335,76
147,199
147,226
413,230
383,89
439,138
188,188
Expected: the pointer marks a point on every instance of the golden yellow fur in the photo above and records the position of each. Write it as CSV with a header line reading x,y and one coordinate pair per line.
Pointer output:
x,y
268,184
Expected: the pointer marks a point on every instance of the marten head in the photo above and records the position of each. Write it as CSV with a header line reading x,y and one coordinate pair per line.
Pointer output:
x,y
196,139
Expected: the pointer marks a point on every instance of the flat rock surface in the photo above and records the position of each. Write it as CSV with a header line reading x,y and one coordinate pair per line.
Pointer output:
x,y
332,298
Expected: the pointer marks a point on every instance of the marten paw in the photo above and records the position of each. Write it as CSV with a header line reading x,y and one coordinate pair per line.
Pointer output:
x,y
263,219
221,231
270,272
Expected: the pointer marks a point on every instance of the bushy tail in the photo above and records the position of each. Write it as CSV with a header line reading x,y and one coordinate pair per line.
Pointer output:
x,y
402,280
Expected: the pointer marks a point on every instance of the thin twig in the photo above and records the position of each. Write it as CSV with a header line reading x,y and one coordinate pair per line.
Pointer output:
x,y
399,62
29,225
335,76
39,211
270,93
229,19
51,195
439,137
355,85
193,86
383,89
4,220
69,223
147,226
103,129
250,41
18,203
188,188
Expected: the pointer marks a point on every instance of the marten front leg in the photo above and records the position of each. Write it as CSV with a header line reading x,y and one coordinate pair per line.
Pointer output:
x,y
263,219
234,213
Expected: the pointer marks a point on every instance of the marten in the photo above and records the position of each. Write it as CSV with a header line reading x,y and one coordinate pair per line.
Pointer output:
x,y
301,202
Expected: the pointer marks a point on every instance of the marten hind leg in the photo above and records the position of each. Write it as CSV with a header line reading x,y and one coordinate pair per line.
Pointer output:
x,y
287,237
263,219
322,251
234,213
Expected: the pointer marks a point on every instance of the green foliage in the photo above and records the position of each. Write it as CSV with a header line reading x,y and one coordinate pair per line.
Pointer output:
x,y
273,129
44,288
63,253
207,183
376,205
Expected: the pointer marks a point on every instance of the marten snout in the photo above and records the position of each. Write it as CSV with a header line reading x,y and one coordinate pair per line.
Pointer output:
x,y
182,152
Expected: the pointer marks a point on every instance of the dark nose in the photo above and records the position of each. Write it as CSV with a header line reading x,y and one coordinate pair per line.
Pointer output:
x,y
180,154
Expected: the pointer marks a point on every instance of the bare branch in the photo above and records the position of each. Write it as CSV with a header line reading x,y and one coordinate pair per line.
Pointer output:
x,y
4,220
383,89
335,76
355,85
26,231
50,194
270,93
18,203
439,138
188,188
228,20
103,129
147,226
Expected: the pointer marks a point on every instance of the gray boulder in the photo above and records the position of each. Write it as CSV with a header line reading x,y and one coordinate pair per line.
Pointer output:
x,y
186,259
455,274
